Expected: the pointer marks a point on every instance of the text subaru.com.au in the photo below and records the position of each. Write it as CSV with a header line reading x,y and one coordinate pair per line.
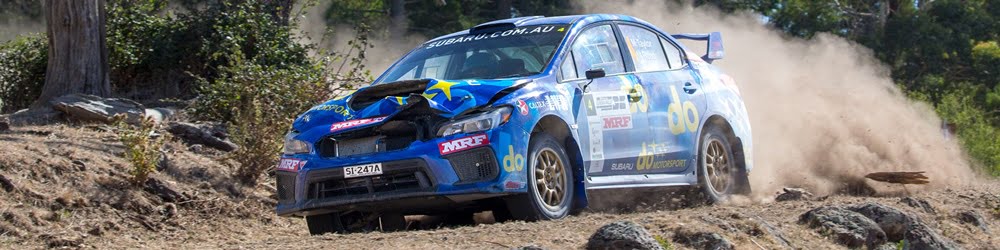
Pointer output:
x,y
520,117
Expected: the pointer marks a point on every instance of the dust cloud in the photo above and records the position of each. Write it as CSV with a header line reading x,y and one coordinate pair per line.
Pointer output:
x,y
824,111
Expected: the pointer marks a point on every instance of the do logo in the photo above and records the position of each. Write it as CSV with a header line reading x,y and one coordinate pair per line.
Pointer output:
x,y
681,117
513,162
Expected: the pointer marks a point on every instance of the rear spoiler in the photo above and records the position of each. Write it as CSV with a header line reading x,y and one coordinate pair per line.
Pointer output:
x,y
714,50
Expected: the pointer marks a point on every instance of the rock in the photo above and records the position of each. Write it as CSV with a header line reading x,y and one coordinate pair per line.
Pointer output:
x,y
169,210
85,107
974,218
6,184
899,225
918,203
530,247
34,116
847,227
159,115
703,240
164,190
622,235
207,135
4,125
794,194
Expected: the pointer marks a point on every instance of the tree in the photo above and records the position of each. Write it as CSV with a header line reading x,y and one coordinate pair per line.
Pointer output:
x,y
78,55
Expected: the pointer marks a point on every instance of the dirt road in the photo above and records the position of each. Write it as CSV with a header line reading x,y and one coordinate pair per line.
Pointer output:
x,y
63,186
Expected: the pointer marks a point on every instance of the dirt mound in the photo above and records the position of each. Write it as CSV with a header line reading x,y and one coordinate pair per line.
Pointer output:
x,y
66,186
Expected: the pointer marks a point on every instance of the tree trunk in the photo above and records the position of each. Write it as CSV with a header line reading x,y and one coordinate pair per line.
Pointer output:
x,y
503,9
78,55
397,19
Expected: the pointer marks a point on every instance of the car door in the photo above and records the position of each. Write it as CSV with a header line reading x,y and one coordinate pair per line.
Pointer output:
x,y
609,127
674,101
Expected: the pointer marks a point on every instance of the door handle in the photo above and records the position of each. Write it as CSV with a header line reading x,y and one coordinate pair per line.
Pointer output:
x,y
689,88
634,96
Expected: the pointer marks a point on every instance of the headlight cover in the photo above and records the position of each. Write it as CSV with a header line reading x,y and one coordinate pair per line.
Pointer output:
x,y
293,146
480,122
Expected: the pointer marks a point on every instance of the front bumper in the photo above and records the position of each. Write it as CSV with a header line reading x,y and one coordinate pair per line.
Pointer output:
x,y
414,180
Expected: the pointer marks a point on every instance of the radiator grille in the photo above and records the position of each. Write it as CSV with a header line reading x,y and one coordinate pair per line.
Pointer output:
x,y
475,165
286,187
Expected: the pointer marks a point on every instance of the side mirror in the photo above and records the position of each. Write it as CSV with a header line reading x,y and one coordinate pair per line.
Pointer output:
x,y
595,73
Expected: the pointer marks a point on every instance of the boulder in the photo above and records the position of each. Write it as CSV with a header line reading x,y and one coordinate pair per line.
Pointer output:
x,y
899,225
91,108
794,194
703,240
34,116
208,135
622,235
847,227
974,218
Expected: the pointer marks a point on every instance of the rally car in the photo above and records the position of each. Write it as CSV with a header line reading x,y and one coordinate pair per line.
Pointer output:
x,y
520,117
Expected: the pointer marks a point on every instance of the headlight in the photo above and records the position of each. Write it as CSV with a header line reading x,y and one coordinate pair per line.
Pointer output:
x,y
293,146
479,122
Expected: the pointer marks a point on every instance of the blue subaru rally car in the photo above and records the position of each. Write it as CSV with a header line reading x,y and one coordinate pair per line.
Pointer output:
x,y
520,117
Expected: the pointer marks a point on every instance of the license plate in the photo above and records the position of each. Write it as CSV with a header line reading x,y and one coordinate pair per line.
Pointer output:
x,y
363,170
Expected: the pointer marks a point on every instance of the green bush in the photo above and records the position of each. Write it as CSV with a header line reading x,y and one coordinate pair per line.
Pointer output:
x,y
142,149
22,71
975,131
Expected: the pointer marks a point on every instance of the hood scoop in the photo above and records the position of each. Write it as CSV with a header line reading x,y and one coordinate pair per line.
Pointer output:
x,y
367,96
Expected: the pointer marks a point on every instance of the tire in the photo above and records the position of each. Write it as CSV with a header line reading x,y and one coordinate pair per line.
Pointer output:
x,y
547,157
719,177
324,223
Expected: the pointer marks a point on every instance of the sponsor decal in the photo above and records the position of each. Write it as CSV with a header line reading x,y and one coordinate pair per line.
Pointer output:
x,y
335,108
522,106
354,123
642,104
612,103
553,102
647,158
617,122
509,185
513,162
681,117
462,144
621,166
541,29
292,165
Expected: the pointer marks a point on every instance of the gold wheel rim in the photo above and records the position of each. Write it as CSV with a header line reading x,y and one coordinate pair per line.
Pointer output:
x,y
717,166
550,179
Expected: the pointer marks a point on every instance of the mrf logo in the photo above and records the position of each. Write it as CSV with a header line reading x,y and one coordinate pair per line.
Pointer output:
x,y
462,144
617,122
354,123
292,165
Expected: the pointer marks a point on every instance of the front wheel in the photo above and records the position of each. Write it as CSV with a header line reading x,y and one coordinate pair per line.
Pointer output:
x,y
550,182
718,175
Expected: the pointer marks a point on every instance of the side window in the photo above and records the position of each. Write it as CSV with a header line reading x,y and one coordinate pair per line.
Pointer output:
x,y
644,46
568,68
673,54
597,48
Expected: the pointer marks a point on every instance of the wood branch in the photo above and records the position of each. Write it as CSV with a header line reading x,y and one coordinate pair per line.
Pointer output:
x,y
899,177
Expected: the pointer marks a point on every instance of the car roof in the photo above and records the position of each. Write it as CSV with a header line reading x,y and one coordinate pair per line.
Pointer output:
x,y
574,20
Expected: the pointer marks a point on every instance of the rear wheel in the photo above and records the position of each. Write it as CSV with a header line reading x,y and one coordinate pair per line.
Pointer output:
x,y
718,175
550,182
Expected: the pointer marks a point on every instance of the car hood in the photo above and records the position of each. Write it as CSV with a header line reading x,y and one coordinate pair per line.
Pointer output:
x,y
446,98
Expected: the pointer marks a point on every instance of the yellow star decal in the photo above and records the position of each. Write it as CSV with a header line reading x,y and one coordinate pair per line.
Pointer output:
x,y
429,96
561,29
444,87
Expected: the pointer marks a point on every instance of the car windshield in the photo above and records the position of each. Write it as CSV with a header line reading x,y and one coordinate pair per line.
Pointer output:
x,y
513,52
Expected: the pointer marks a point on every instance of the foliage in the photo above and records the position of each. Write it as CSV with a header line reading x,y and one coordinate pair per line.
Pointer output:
x,y
142,148
22,71
664,243
435,18
977,135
